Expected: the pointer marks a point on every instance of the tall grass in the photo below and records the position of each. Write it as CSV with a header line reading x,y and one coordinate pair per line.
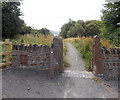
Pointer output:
x,y
65,60
84,47
33,39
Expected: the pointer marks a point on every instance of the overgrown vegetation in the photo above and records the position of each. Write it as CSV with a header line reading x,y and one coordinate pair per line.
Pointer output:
x,y
84,47
33,39
65,60
111,19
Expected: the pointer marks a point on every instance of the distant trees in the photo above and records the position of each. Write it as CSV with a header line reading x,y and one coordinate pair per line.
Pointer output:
x,y
44,31
30,30
111,16
77,29
66,27
92,27
26,30
80,28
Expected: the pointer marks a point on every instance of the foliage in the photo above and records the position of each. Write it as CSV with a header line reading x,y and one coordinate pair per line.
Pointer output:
x,y
93,27
26,29
80,28
110,18
65,60
44,31
77,30
11,23
65,28
33,39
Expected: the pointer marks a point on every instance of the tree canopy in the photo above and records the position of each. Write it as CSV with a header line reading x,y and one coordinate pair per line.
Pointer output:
x,y
110,18
80,28
11,23
44,31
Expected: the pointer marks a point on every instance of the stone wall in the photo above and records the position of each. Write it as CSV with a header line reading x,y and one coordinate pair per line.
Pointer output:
x,y
105,61
39,56
111,61
31,56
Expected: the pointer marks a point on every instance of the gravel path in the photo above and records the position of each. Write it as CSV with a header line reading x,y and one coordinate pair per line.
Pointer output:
x,y
75,82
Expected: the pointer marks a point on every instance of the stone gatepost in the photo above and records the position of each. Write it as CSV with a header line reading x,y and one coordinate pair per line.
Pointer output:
x,y
58,52
97,57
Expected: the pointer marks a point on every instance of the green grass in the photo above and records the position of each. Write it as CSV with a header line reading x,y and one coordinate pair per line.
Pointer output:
x,y
84,48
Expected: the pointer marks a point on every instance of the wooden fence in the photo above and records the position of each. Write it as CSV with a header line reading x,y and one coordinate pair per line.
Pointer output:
x,y
7,44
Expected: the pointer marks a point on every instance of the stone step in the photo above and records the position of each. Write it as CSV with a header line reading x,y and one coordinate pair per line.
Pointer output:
x,y
79,74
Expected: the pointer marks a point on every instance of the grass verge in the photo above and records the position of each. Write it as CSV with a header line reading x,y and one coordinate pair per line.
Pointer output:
x,y
65,60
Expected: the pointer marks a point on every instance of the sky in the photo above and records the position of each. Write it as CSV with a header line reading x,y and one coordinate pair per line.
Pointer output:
x,y
52,14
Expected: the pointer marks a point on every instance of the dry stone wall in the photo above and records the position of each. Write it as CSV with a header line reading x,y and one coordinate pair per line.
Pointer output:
x,y
111,62
31,56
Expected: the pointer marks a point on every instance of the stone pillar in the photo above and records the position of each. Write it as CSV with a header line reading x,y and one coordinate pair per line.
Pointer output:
x,y
58,52
97,57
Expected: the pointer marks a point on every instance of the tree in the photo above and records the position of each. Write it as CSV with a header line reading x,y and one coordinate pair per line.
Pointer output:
x,y
26,30
80,28
110,18
71,32
93,27
44,31
11,23
65,28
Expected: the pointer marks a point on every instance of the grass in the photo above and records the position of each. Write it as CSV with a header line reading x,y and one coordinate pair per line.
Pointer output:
x,y
65,60
84,47
33,39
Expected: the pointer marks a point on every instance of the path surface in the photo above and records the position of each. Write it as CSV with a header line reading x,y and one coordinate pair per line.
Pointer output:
x,y
74,83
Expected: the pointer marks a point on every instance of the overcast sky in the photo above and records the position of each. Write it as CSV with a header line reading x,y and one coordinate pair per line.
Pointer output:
x,y
52,14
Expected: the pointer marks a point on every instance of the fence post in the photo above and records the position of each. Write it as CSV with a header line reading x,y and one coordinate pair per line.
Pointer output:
x,y
7,50
97,57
